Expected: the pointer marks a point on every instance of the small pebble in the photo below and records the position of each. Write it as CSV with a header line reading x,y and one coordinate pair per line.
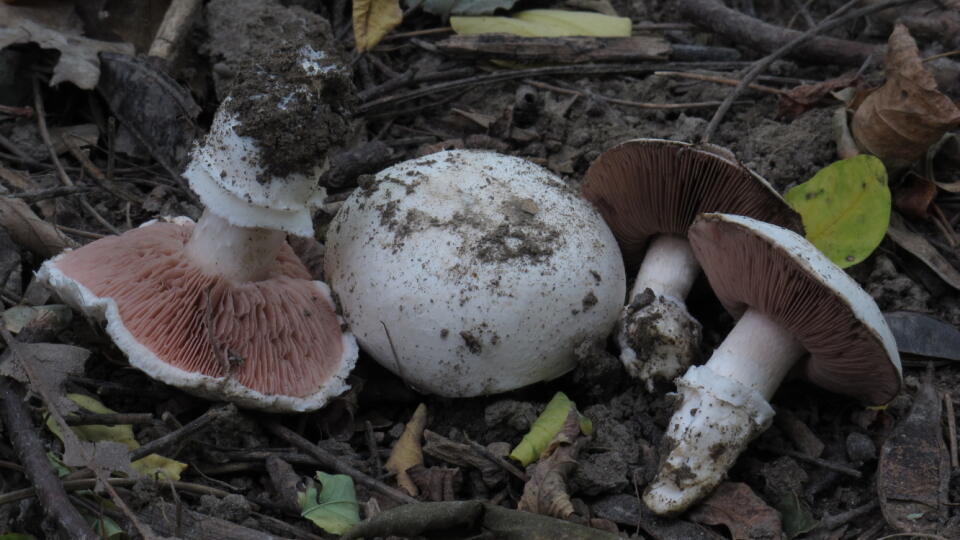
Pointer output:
x,y
860,448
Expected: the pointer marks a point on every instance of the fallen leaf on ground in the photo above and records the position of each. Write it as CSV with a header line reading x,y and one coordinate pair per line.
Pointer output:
x,y
334,506
464,455
918,246
17,317
546,427
436,483
845,208
545,23
55,25
736,506
914,470
913,197
801,99
407,451
374,19
150,466
797,518
29,231
546,490
463,7
902,118
923,335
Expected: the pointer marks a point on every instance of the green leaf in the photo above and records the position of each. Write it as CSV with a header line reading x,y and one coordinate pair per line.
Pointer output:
x,y
545,23
334,509
797,518
17,536
105,527
845,208
546,427
463,7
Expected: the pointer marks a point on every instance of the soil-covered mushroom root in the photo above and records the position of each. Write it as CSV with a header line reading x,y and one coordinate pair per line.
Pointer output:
x,y
793,304
469,272
649,191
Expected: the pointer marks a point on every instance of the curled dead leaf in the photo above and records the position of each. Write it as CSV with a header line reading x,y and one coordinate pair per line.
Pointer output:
x,y
801,99
905,116
913,197
736,506
55,25
29,231
407,451
546,491
374,19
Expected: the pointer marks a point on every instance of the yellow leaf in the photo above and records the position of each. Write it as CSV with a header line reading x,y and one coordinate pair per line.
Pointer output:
x,y
845,208
545,23
407,452
151,465
374,19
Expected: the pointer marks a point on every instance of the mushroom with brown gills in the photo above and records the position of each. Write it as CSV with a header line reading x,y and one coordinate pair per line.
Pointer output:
x,y
791,302
649,191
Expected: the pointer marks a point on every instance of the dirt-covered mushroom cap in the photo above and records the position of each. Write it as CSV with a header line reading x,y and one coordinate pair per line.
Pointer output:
x,y
271,343
646,187
751,264
470,272
271,140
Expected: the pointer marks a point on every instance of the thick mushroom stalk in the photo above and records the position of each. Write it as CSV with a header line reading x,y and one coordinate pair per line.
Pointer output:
x,y
724,406
656,320
236,253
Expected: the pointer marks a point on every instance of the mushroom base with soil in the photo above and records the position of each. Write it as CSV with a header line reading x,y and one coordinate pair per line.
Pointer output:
x,y
658,337
724,406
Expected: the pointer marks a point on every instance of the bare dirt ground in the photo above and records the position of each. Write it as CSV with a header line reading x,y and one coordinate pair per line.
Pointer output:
x,y
814,474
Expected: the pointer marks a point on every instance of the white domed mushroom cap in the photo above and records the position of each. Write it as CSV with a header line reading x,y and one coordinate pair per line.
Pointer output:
x,y
485,270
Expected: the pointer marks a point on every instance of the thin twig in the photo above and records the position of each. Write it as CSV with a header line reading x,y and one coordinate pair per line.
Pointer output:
x,y
332,462
830,523
830,465
835,19
90,483
23,434
45,135
577,70
499,461
617,101
155,446
31,197
79,232
115,419
719,80
951,430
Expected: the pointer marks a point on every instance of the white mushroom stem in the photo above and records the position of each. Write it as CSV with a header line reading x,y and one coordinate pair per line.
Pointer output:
x,y
668,268
724,406
657,336
237,253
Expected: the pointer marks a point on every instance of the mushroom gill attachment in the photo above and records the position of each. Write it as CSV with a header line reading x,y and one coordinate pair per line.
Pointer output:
x,y
791,301
272,344
649,191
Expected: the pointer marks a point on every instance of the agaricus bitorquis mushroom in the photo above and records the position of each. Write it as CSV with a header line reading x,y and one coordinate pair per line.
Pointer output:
x,y
791,301
223,308
649,191
470,272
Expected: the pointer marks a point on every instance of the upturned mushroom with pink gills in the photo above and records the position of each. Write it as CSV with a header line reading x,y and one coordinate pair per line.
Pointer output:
x,y
649,191
224,308
792,302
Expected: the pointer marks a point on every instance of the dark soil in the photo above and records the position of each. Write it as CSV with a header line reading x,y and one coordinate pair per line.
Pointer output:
x,y
561,131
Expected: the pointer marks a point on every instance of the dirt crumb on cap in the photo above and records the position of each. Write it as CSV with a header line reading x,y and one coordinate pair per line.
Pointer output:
x,y
296,103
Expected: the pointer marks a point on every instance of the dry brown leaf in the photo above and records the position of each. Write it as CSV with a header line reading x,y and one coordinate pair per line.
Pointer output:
x,y
464,455
902,118
374,19
918,246
437,483
801,99
914,470
407,451
546,491
736,506
913,197
55,25
29,231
